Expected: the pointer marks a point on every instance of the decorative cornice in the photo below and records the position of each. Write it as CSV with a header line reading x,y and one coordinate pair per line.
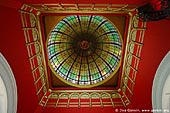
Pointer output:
x,y
134,43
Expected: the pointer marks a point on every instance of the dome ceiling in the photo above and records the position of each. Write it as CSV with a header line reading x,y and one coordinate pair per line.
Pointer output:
x,y
80,40
84,51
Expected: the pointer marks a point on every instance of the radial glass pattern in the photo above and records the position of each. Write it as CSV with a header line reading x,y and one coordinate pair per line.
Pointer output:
x,y
84,50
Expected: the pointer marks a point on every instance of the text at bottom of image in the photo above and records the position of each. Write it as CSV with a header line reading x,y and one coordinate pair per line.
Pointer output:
x,y
143,110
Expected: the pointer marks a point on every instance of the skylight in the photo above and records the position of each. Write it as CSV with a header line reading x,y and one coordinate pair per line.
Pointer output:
x,y
84,50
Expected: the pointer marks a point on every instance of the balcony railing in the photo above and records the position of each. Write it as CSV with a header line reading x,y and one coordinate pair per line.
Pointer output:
x,y
81,98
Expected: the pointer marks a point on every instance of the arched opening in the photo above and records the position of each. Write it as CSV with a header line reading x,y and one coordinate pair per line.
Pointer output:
x,y
8,89
160,89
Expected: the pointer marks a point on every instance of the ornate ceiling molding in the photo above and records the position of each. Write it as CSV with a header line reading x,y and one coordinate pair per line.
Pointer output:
x,y
30,15
84,8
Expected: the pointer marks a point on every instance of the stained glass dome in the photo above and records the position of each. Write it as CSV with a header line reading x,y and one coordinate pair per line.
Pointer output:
x,y
84,51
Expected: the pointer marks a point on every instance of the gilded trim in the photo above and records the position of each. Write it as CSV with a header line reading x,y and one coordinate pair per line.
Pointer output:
x,y
45,95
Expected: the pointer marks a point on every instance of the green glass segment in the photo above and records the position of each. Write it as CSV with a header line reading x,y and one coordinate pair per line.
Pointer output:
x,y
84,49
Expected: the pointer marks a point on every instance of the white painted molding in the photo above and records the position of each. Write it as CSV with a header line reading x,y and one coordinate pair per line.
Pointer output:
x,y
3,97
9,83
166,94
161,86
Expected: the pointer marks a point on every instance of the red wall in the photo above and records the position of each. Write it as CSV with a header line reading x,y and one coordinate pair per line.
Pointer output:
x,y
156,45
11,3
12,46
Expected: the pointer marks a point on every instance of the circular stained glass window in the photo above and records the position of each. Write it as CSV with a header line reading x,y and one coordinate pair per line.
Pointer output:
x,y
84,51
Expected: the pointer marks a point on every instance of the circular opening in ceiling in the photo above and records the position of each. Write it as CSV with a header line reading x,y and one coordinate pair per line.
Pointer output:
x,y
84,51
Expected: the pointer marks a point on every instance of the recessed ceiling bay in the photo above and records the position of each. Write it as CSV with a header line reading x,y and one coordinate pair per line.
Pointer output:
x,y
84,50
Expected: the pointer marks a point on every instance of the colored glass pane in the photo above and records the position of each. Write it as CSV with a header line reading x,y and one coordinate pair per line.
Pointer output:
x,y
84,50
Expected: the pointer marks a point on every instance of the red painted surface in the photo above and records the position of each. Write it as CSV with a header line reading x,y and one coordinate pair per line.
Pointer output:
x,y
12,46
156,45
38,109
11,3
